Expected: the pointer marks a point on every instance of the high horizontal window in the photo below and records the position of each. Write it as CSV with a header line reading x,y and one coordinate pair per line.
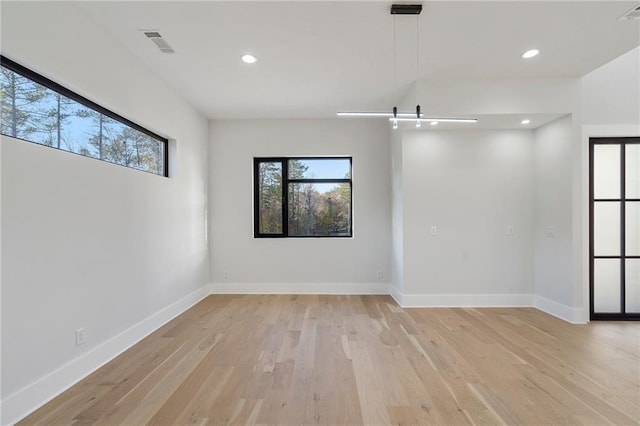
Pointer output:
x,y
302,197
39,110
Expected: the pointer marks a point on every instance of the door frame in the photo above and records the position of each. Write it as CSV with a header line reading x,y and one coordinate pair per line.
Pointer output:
x,y
623,142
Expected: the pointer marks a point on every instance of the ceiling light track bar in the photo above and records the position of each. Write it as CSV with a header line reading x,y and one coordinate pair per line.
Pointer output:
x,y
440,120
376,114
407,116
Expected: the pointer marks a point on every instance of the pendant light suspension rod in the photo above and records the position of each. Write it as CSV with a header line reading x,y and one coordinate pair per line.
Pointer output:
x,y
417,70
417,59
395,82
395,61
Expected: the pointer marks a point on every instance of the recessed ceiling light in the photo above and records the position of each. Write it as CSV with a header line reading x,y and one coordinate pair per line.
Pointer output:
x,y
530,53
249,59
525,121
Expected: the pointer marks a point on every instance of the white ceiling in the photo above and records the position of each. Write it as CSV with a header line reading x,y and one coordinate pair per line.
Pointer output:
x,y
316,58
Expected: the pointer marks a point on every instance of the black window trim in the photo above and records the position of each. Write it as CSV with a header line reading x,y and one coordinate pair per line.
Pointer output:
x,y
52,85
284,161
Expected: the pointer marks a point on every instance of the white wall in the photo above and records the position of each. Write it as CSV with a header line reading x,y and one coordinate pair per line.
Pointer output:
x,y
269,264
553,257
87,243
471,185
397,226
611,93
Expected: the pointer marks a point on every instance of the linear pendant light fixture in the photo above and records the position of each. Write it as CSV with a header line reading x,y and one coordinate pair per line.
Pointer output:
x,y
394,116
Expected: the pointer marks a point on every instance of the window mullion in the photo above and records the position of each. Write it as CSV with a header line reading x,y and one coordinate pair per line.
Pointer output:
x,y
285,196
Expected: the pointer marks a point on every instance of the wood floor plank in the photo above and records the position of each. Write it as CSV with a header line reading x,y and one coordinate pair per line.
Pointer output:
x,y
337,360
333,398
371,400
184,358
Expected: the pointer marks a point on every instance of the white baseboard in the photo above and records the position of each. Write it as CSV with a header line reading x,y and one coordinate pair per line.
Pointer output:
x,y
299,288
23,402
396,294
564,312
465,300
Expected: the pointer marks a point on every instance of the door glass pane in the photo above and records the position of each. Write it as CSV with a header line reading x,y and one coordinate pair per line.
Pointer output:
x,y
270,197
632,228
632,171
606,228
319,209
606,285
632,286
606,171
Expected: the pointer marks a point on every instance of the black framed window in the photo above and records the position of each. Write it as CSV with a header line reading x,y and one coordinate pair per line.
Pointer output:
x,y
302,197
614,243
39,110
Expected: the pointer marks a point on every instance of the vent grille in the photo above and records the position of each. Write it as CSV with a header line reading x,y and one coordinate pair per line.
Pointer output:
x,y
406,9
633,14
160,42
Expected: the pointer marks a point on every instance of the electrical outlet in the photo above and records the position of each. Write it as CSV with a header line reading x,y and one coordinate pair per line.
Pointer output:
x,y
434,230
551,231
510,230
225,274
80,336
379,275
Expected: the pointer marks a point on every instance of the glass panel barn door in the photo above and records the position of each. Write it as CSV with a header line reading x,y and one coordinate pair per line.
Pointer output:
x,y
614,243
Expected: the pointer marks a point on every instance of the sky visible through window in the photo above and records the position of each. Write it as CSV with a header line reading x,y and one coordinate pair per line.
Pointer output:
x,y
33,112
322,168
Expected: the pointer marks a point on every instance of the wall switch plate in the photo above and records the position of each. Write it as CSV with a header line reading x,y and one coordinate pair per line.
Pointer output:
x,y
510,230
80,336
434,230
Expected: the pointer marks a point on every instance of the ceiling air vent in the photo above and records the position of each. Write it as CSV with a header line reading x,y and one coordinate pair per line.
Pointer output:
x,y
633,14
406,9
159,41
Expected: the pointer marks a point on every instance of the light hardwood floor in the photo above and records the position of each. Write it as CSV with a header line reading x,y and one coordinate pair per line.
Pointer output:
x,y
362,360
